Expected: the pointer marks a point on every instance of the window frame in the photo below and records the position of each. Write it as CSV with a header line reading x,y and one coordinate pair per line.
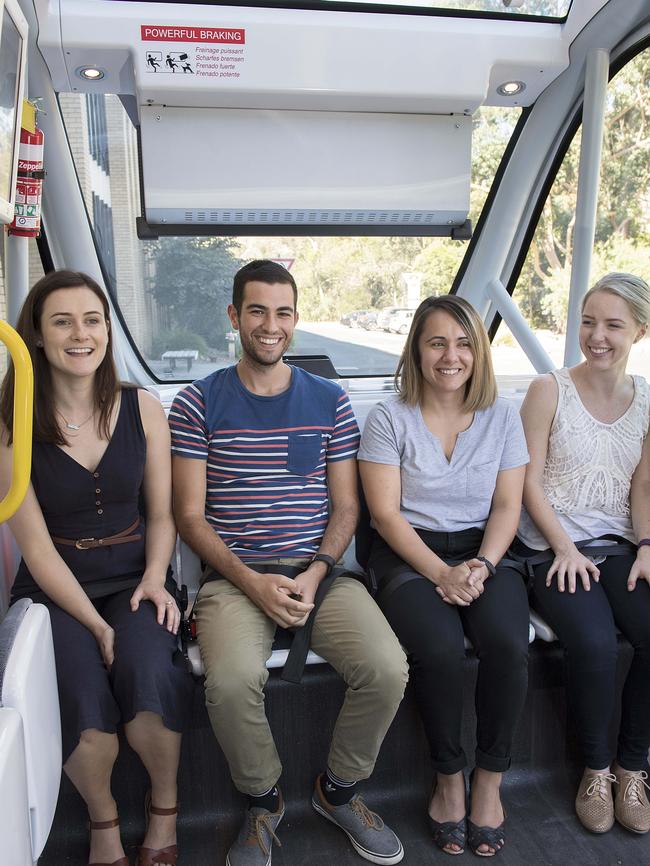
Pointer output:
x,y
626,56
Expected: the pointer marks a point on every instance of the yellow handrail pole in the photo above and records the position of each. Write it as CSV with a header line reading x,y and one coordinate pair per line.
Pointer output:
x,y
22,429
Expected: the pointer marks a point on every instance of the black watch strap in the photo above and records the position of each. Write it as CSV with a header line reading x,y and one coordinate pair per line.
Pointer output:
x,y
486,562
327,559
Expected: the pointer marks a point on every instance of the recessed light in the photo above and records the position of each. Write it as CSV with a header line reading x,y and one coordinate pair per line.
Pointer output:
x,y
90,73
511,88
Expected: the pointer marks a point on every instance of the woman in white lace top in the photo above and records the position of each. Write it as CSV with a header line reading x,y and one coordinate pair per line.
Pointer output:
x,y
589,478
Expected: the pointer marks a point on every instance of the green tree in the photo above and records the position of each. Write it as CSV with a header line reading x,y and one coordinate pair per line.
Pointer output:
x,y
337,275
623,218
192,283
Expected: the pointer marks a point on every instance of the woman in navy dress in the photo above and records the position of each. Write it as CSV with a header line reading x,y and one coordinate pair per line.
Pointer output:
x,y
101,454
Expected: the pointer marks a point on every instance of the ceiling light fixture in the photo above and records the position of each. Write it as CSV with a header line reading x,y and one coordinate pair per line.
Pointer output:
x,y
90,73
511,88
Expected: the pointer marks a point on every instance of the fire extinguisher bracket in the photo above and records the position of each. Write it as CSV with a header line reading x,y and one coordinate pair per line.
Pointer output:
x,y
37,175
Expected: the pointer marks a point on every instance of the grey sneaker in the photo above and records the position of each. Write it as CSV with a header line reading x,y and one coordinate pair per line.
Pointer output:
x,y
371,838
253,845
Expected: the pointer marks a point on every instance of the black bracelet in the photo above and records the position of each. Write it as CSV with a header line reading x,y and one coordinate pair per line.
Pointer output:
x,y
486,562
643,542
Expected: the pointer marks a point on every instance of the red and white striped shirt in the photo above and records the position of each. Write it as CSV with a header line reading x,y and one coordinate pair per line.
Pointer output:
x,y
266,458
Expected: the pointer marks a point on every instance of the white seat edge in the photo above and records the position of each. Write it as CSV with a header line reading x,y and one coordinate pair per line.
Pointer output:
x,y
279,656
277,659
542,629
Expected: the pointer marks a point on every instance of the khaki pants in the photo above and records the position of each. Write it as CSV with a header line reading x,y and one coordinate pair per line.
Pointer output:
x,y
350,632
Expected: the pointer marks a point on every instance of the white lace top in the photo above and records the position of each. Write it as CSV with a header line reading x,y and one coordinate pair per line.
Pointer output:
x,y
589,466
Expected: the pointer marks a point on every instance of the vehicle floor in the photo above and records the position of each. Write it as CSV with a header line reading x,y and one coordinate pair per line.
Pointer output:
x,y
538,791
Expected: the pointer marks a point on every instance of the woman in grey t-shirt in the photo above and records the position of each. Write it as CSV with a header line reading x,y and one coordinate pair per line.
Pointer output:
x,y
443,466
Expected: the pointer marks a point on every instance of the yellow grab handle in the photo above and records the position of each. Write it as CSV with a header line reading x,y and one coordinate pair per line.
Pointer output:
x,y
22,431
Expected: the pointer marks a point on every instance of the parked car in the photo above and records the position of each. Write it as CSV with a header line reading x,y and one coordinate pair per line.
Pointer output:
x,y
400,321
369,321
352,319
384,317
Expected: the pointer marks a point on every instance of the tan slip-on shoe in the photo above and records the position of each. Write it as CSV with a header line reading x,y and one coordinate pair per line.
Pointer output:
x,y
594,803
631,806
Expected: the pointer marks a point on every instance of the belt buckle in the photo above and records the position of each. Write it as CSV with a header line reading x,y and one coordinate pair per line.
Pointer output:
x,y
83,543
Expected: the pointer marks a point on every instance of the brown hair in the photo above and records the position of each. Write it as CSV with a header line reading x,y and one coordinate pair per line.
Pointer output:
x,y
106,383
481,389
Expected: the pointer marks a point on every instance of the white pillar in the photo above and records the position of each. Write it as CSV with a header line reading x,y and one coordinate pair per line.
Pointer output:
x,y
521,331
593,116
16,275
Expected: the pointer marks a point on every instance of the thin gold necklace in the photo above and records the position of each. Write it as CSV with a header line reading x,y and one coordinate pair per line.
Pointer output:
x,y
72,426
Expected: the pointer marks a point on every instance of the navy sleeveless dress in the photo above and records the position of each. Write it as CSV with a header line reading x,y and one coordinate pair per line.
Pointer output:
x,y
148,673
78,503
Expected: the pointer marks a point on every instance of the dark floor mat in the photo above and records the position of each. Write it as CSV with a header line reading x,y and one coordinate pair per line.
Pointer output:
x,y
538,791
541,830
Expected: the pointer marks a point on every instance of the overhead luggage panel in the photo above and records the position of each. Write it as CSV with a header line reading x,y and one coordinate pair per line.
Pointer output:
x,y
245,57
281,119
274,121
266,169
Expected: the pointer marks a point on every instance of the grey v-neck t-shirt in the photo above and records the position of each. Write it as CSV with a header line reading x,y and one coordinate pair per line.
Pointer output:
x,y
437,494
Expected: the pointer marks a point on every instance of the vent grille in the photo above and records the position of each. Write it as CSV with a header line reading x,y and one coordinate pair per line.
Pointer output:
x,y
314,217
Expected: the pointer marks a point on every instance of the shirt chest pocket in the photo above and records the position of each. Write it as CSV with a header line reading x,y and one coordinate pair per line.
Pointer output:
x,y
481,481
303,453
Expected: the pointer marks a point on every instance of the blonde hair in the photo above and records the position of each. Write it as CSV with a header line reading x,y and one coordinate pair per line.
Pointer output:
x,y
633,290
481,389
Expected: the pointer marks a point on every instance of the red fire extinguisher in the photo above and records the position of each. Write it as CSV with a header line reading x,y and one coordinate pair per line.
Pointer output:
x,y
29,181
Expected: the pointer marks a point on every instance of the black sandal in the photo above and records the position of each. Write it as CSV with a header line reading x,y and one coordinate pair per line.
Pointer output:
x,y
447,833
493,837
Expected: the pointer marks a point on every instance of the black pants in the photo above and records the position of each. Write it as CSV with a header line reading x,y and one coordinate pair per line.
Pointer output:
x,y
586,623
432,632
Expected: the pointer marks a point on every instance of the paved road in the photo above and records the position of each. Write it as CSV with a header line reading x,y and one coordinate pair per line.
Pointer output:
x,y
355,352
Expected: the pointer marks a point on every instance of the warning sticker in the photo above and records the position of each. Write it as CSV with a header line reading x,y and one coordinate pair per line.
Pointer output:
x,y
152,33
208,52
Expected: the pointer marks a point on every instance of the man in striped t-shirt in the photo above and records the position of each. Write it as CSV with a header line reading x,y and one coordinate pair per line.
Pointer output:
x,y
265,491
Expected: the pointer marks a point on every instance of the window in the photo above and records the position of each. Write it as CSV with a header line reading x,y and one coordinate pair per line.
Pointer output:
x,y
553,9
173,292
545,8
622,240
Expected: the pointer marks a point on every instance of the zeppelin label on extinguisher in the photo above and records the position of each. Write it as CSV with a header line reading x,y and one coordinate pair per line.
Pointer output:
x,y
30,157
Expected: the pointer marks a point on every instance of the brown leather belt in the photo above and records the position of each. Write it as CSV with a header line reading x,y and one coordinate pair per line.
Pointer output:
x,y
123,537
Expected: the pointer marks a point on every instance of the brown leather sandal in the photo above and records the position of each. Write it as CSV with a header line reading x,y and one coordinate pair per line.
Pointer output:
x,y
108,825
149,856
